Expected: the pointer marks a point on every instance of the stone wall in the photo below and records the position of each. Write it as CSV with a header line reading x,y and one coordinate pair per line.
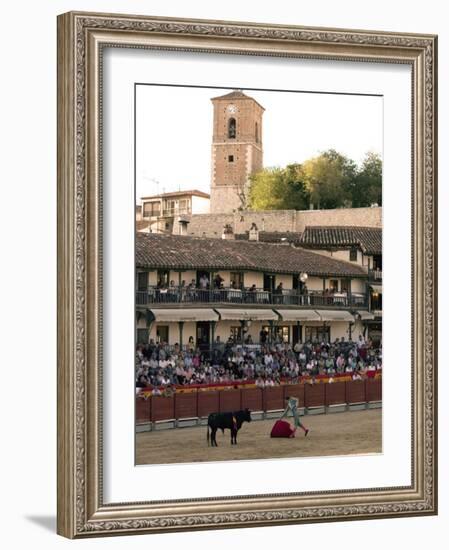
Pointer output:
x,y
211,225
362,217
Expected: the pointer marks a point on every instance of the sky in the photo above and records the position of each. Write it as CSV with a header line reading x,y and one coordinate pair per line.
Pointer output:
x,y
174,132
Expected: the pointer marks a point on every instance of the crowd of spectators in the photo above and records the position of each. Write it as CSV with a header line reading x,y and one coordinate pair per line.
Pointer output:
x,y
268,364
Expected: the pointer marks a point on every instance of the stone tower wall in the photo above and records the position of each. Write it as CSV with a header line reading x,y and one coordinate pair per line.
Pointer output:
x,y
234,159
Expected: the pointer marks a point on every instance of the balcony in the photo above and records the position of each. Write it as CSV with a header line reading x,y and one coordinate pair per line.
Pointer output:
x,y
375,275
171,212
229,296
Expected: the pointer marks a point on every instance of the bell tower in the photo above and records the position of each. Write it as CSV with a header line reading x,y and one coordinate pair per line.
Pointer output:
x,y
236,150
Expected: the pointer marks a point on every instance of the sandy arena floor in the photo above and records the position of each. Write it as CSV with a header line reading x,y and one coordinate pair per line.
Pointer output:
x,y
355,432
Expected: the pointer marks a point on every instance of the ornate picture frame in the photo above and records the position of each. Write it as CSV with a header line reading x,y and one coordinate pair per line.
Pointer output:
x,y
82,38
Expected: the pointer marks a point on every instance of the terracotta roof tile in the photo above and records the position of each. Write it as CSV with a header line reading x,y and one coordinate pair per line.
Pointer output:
x,y
368,239
177,252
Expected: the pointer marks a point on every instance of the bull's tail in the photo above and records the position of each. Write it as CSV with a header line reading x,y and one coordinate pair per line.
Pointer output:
x,y
208,437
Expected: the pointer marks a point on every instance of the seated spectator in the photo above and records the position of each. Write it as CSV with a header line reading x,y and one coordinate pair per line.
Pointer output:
x,y
160,365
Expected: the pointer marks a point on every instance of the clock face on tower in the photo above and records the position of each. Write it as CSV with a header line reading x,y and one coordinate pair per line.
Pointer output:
x,y
232,109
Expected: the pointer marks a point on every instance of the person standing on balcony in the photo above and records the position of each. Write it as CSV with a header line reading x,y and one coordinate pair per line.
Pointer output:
x,y
204,282
279,294
218,281
305,294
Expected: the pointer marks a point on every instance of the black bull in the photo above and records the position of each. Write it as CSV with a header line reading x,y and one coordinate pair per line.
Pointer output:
x,y
230,420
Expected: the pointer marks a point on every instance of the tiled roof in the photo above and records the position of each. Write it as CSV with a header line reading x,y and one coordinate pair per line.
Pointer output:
x,y
235,94
273,237
177,252
368,239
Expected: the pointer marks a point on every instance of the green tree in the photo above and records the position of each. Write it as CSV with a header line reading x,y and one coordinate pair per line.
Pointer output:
x,y
278,189
367,188
328,179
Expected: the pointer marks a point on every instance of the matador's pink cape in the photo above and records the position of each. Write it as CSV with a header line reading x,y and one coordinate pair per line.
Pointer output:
x,y
282,428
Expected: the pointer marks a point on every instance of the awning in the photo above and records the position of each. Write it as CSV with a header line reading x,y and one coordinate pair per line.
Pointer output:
x,y
326,315
365,315
376,288
247,314
168,315
298,314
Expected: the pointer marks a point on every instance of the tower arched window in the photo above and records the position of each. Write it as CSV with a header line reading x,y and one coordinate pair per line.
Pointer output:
x,y
256,131
232,128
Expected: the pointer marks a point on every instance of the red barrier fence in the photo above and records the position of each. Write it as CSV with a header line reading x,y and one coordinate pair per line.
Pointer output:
x,y
201,404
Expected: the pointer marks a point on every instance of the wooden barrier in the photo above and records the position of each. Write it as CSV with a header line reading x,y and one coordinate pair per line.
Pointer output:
x,y
373,390
355,392
252,399
186,405
230,400
314,395
200,404
335,394
143,410
162,408
274,398
208,402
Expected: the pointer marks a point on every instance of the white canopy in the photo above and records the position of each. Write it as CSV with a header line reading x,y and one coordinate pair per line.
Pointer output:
x,y
338,315
232,314
365,315
298,314
184,314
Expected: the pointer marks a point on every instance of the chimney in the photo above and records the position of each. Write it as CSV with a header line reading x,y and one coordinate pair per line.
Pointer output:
x,y
228,233
253,233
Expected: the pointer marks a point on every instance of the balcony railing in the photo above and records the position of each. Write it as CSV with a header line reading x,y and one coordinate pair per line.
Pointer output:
x,y
176,211
375,275
176,295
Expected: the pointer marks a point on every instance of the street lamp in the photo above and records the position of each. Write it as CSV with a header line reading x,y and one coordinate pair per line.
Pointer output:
x,y
303,277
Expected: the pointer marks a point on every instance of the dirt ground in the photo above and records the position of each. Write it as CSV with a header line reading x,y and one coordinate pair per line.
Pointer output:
x,y
354,432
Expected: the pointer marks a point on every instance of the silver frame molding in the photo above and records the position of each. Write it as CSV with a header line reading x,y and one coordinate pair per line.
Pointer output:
x,y
81,37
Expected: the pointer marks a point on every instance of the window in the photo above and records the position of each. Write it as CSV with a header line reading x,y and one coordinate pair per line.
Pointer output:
x,y
236,334
353,255
162,333
257,133
346,285
237,279
151,209
333,285
163,277
231,158
184,206
232,128
268,282
318,334
282,334
142,281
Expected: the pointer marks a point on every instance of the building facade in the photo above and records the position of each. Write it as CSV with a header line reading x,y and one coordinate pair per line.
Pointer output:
x,y
209,291
170,212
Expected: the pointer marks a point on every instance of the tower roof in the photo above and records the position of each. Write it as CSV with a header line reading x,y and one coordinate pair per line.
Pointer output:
x,y
236,94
